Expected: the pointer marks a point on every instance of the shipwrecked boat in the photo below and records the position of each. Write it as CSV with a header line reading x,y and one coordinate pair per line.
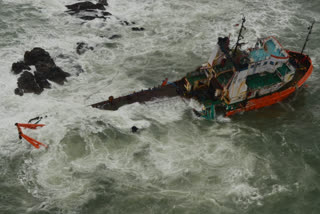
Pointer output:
x,y
233,80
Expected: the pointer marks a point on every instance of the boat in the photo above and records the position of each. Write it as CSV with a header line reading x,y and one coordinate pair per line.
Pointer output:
x,y
233,80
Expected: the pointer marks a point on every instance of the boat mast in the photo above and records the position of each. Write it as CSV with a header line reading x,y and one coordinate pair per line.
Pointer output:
x,y
307,39
239,36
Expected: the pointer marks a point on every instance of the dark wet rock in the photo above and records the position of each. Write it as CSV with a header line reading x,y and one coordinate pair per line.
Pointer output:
x,y
82,47
102,17
134,129
37,55
52,73
106,13
43,67
57,75
127,23
103,2
46,70
137,29
116,36
89,10
27,83
18,67
85,6
41,79
124,23
88,18
18,91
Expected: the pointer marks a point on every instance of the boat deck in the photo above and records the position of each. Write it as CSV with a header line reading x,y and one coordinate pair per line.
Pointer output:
x,y
170,90
257,81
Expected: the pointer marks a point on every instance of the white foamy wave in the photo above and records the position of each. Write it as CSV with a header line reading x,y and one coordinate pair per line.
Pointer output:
x,y
173,152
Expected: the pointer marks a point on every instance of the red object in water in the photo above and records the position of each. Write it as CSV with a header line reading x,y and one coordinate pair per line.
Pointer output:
x,y
32,141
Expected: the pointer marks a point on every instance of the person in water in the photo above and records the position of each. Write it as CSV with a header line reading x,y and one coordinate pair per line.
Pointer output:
x,y
164,82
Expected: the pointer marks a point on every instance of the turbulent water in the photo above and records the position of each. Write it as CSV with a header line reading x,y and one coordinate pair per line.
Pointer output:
x,y
264,161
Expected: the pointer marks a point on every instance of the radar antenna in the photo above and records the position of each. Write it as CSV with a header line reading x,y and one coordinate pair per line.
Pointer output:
x,y
240,35
307,39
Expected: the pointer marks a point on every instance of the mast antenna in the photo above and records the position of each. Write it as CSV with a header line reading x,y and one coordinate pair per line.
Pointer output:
x,y
240,35
307,39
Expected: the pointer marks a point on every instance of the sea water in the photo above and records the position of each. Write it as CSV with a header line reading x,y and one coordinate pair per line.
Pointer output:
x,y
264,161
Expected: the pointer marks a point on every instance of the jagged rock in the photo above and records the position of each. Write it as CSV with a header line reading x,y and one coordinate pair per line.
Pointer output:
x,y
137,29
18,91
88,18
18,67
127,23
37,55
41,79
85,6
43,67
53,73
102,17
57,75
89,10
27,84
46,70
116,36
82,47
124,23
103,2
134,129
106,13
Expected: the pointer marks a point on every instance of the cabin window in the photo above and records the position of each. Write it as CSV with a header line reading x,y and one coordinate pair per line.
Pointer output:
x,y
265,63
271,63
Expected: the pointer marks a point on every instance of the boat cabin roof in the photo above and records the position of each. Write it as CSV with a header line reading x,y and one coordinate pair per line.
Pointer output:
x,y
270,47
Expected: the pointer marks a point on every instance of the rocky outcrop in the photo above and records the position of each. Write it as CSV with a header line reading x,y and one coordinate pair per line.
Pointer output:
x,y
41,79
27,84
37,55
18,67
137,29
134,129
77,7
106,13
57,75
51,72
89,11
45,67
103,2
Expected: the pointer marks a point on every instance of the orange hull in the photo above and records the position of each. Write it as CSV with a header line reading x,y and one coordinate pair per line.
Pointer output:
x,y
273,98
